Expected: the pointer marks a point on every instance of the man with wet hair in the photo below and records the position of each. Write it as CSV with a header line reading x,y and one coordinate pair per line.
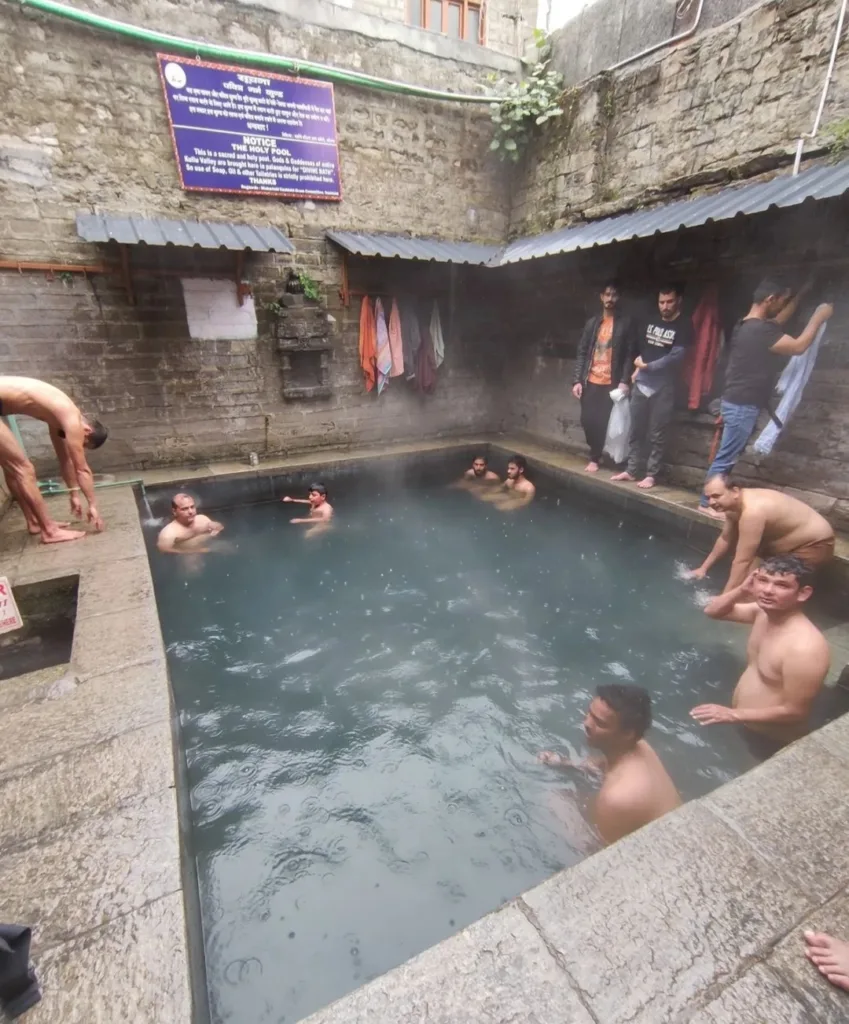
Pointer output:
x,y
760,522
480,471
189,531
758,349
637,788
788,657
516,491
604,362
70,434
321,511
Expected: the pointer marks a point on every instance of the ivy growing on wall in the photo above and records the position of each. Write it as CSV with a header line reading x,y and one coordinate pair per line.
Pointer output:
x,y
525,105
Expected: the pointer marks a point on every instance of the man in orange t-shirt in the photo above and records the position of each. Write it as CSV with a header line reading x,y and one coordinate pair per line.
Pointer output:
x,y
603,363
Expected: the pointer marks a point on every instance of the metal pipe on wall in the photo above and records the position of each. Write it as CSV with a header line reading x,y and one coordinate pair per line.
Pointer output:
x,y
666,42
800,145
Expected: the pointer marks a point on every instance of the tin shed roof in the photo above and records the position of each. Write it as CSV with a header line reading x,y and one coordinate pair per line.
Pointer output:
x,y
132,230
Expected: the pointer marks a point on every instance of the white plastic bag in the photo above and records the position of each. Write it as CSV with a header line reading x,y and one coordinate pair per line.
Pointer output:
x,y
618,429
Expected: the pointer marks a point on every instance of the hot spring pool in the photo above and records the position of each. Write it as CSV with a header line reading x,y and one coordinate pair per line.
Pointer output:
x,y
361,715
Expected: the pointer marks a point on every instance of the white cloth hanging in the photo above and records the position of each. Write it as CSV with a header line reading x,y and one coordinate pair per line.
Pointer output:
x,y
791,384
436,336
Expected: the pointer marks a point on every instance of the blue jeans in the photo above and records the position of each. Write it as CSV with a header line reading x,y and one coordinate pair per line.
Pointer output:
x,y
738,422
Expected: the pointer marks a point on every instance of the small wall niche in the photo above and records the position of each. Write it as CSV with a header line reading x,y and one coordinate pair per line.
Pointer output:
x,y
303,339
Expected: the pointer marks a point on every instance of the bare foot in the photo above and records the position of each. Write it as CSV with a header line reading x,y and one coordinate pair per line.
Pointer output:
x,y
646,483
831,957
626,476
35,530
706,510
591,467
58,535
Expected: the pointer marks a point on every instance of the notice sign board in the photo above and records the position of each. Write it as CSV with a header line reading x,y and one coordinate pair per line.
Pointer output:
x,y
251,132
10,617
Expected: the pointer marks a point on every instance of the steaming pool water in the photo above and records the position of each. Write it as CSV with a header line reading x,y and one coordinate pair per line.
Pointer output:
x,y
361,715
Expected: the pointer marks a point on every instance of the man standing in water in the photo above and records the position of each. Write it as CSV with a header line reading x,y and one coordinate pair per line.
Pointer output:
x,y
636,787
761,522
188,532
788,657
662,346
516,491
603,363
70,434
321,511
479,473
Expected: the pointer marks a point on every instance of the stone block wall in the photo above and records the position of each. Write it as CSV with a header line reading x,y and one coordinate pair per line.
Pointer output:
x,y
725,105
85,128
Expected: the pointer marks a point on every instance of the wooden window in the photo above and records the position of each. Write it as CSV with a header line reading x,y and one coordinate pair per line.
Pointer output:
x,y
459,19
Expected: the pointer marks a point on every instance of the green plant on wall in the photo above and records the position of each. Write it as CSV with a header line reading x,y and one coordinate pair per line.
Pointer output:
x,y
310,286
837,134
525,105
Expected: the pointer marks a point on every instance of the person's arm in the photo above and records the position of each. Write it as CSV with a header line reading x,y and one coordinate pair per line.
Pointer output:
x,y
166,542
66,468
750,531
787,346
295,501
675,355
583,347
74,441
617,814
303,520
802,674
734,605
724,543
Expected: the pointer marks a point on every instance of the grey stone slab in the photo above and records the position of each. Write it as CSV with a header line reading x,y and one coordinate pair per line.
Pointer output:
x,y
119,542
87,781
133,970
497,970
793,810
649,925
74,714
105,643
756,998
835,737
92,872
825,1003
33,686
115,586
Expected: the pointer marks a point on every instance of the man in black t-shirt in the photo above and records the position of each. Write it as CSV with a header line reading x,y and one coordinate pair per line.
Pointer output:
x,y
661,346
758,350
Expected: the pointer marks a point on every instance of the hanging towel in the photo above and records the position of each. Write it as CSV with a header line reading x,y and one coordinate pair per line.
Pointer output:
x,y
396,344
368,343
426,373
384,355
411,337
437,340
791,384
706,347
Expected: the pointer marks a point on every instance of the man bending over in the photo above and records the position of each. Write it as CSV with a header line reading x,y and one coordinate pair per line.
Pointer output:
x,y
636,787
70,434
761,522
788,656
188,532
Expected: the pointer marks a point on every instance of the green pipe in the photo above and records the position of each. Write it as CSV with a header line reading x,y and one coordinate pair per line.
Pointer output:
x,y
196,48
16,431
49,487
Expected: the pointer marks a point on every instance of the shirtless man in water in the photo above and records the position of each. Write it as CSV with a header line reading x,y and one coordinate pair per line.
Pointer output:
x,y
788,656
516,491
636,787
70,434
480,473
188,532
321,511
760,522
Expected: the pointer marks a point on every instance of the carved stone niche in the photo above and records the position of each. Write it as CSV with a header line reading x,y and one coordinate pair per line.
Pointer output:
x,y
303,338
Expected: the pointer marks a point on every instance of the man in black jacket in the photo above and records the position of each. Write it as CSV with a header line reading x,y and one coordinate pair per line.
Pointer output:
x,y
604,361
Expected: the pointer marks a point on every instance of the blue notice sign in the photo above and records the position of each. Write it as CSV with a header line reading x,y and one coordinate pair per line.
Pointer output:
x,y
251,132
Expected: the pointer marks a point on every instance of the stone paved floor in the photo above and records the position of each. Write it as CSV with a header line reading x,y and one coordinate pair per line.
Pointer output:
x,y
697,918
89,850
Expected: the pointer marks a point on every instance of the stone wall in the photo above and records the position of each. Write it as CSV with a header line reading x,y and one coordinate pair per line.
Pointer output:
x,y
85,128
727,104
558,294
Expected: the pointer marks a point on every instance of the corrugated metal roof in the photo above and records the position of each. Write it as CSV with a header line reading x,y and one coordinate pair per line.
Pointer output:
x,y
824,181
402,247
129,230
